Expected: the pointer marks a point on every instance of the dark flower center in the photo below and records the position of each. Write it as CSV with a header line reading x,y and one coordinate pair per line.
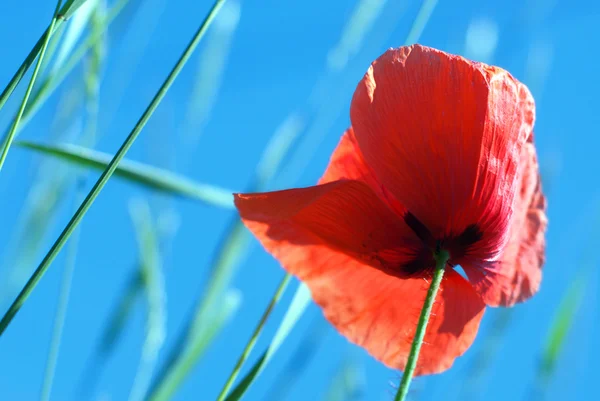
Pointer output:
x,y
457,245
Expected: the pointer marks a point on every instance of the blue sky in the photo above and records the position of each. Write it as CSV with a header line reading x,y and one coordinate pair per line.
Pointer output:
x,y
277,67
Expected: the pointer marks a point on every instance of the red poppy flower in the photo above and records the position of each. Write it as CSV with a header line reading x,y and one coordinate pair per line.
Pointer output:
x,y
440,153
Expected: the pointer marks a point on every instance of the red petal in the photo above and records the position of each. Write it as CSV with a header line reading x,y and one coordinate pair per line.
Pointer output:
x,y
367,305
444,136
345,215
347,163
518,274
380,313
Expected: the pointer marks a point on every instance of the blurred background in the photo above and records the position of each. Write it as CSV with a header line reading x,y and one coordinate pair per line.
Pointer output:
x,y
157,294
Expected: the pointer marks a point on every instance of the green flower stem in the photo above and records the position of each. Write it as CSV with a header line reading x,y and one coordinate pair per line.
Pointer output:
x,y
254,338
15,125
110,169
441,258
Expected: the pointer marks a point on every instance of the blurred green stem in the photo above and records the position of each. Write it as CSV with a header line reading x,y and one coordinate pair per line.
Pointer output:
x,y
92,106
15,125
63,14
49,85
238,366
27,62
61,309
93,194
441,258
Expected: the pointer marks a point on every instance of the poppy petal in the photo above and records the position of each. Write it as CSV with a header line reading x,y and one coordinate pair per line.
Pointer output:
x,y
346,162
380,313
444,136
345,215
517,275
370,307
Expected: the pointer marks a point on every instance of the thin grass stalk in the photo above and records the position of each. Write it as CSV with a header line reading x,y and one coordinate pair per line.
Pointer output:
x,y
298,362
147,18
86,383
47,193
254,338
63,14
93,194
51,83
170,379
73,33
230,251
294,312
61,309
12,85
13,130
92,105
56,39
199,332
155,297
210,70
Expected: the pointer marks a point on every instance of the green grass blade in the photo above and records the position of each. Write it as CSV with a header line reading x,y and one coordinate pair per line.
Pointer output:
x,y
562,323
124,308
364,15
55,41
57,185
233,247
12,85
567,311
138,173
93,194
210,70
98,25
254,338
111,334
156,320
65,12
72,34
145,18
277,149
69,8
295,311
348,384
420,22
207,319
229,254
50,83
53,178
559,329
301,359
171,378
13,130
61,311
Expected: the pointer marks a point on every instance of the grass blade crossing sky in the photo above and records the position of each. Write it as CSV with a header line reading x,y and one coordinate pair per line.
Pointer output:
x,y
15,125
136,173
65,12
250,345
93,194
